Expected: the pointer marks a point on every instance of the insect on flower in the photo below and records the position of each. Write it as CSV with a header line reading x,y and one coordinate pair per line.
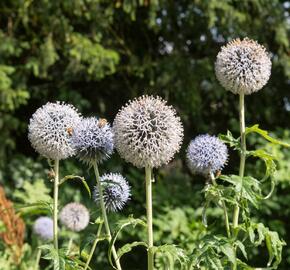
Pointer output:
x,y
102,122
69,131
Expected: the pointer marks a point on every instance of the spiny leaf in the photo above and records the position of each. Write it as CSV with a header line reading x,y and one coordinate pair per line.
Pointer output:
x,y
73,177
130,221
128,247
270,164
89,240
258,233
264,133
173,253
36,208
241,247
230,140
248,187
33,192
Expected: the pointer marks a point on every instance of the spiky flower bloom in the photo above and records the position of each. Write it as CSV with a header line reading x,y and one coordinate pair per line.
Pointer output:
x,y
147,132
43,227
50,130
116,191
206,154
243,66
75,216
93,140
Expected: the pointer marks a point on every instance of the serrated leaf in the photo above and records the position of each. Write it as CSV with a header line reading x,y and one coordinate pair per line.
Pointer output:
x,y
270,167
241,247
248,187
259,233
173,253
228,250
33,192
73,177
264,133
230,140
130,221
36,208
128,247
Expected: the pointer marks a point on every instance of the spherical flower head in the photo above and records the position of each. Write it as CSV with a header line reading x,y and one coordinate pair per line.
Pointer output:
x,y
147,132
50,130
206,154
116,191
43,228
243,66
75,216
93,140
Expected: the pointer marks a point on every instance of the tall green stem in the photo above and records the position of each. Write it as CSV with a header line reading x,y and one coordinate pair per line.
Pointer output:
x,y
226,217
148,172
242,162
243,155
69,245
38,256
55,206
94,246
104,214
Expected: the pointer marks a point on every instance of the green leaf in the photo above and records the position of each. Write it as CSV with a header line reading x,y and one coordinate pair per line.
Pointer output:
x,y
213,252
89,240
33,192
128,247
73,177
258,233
269,161
35,208
241,247
130,221
265,134
173,253
248,187
228,250
230,140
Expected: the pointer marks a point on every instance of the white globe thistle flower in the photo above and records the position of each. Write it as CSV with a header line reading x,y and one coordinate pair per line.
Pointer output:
x,y
75,216
43,228
147,132
50,130
93,140
206,154
243,66
116,191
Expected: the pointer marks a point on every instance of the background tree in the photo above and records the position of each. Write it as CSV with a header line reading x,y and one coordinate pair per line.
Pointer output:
x,y
97,54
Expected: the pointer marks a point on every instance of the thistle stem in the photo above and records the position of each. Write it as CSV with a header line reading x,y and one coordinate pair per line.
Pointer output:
x,y
94,246
148,172
227,224
242,161
55,206
69,245
38,256
104,215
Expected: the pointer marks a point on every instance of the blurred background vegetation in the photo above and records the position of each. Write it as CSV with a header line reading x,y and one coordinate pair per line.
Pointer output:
x,y
98,54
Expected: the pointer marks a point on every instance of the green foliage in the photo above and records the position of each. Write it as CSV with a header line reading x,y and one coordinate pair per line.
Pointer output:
x,y
98,54
33,193
130,221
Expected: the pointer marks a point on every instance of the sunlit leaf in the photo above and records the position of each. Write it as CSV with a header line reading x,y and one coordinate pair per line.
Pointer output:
x,y
265,134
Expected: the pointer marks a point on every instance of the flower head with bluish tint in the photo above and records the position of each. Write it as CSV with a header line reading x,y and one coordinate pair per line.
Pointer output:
x,y
75,216
147,132
116,191
43,228
93,140
206,154
243,66
50,130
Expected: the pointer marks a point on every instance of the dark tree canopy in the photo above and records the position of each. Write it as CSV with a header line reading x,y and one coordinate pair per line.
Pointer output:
x,y
98,54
